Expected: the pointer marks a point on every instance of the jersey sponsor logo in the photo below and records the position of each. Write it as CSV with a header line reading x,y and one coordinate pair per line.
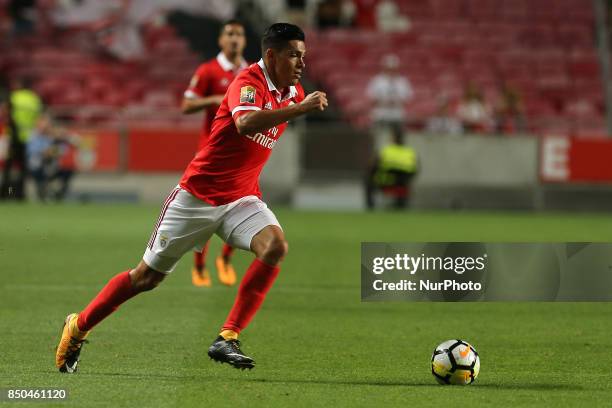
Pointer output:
x,y
247,94
268,105
264,140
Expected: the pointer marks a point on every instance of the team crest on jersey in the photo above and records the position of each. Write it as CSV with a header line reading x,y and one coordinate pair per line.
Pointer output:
x,y
163,240
247,94
268,105
224,82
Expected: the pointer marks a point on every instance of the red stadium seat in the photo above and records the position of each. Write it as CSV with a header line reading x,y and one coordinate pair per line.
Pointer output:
x,y
543,48
575,36
584,69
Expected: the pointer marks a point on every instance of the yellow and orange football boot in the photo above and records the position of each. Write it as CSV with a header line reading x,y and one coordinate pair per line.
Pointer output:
x,y
226,272
69,348
200,279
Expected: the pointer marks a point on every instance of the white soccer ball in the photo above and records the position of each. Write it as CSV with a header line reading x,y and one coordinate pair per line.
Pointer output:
x,y
455,362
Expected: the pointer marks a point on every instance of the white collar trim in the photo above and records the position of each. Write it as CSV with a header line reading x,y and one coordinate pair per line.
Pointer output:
x,y
271,86
227,65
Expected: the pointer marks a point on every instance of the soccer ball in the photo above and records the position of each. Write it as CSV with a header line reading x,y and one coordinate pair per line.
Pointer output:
x,y
455,362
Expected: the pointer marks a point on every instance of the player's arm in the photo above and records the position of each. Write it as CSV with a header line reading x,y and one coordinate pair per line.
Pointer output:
x,y
193,104
254,121
195,98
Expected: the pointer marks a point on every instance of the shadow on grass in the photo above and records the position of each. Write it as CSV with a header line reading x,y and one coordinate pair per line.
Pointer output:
x,y
141,376
355,383
529,387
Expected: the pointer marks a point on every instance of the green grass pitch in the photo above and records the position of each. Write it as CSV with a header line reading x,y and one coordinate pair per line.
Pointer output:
x,y
315,343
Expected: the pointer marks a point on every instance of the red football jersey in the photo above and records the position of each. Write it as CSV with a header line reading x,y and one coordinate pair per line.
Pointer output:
x,y
212,78
228,166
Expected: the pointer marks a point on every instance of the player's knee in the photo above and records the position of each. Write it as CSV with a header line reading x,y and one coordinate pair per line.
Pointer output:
x,y
144,278
276,250
151,281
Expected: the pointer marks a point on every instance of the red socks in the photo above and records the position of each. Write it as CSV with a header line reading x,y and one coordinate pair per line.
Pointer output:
x,y
117,290
256,282
227,251
199,258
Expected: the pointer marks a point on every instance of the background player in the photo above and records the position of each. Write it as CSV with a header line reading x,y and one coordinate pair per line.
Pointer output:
x,y
205,92
219,193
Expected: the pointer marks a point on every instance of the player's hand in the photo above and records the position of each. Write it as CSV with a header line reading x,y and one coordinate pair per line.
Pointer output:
x,y
314,101
217,99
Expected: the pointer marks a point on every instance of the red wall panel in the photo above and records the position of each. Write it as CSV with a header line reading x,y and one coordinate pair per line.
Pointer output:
x,y
160,149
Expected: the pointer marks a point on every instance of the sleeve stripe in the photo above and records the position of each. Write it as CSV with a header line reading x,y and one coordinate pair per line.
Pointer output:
x,y
243,108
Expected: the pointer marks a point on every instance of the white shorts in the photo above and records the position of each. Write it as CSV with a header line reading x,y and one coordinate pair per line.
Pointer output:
x,y
186,223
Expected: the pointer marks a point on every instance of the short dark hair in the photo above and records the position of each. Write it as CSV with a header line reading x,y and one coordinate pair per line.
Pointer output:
x,y
278,35
233,21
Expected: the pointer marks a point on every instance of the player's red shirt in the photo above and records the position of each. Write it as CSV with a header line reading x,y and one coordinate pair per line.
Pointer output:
x,y
228,166
212,78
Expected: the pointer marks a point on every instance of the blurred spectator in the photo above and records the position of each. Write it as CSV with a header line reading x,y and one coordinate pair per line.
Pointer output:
x,y
121,38
118,24
474,114
39,155
392,172
82,13
22,13
4,94
347,13
389,19
389,92
510,113
329,14
4,120
443,123
114,23
51,160
24,107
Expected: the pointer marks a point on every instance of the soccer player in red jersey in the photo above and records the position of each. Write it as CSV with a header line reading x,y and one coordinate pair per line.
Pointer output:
x,y
219,193
206,90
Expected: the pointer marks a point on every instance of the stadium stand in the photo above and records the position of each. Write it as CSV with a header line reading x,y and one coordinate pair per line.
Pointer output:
x,y
543,49
81,83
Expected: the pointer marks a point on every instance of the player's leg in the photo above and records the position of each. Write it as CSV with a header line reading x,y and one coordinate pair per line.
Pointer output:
x,y
38,175
269,247
182,224
370,186
225,269
259,232
119,289
23,171
199,273
64,176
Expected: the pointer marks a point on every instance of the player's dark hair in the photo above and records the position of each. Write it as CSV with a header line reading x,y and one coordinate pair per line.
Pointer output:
x,y
278,35
233,21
